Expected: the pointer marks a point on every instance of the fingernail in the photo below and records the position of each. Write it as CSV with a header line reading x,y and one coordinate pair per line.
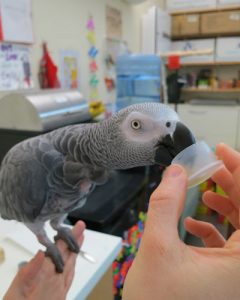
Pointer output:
x,y
174,171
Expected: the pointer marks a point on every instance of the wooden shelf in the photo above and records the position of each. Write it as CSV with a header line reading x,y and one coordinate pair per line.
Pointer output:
x,y
205,36
209,90
205,10
210,63
186,53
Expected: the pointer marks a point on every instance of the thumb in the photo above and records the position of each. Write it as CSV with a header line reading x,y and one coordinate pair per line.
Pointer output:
x,y
165,207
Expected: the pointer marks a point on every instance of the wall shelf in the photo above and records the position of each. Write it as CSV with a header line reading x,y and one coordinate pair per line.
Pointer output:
x,y
182,32
211,63
210,90
205,10
204,35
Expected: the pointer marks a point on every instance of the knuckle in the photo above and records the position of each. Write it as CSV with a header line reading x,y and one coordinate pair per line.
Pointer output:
x,y
211,227
163,195
211,231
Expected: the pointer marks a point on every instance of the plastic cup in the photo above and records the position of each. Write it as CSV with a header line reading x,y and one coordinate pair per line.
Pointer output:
x,y
199,161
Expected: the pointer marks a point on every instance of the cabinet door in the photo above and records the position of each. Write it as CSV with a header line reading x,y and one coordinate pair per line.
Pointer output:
x,y
213,124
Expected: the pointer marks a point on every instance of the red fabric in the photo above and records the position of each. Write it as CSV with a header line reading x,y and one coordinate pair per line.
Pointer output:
x,y
48,71
173,62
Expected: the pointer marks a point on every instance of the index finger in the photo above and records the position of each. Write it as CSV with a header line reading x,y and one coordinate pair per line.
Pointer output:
x,y
77,231
78,234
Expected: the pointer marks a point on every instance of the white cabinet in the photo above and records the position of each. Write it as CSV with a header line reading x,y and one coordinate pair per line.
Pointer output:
x,y
156,30
212,123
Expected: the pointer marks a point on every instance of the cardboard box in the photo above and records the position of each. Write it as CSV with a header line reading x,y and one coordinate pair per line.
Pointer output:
x,y
228,49
222,3
176,5
176,25
221,22
185,25
201,44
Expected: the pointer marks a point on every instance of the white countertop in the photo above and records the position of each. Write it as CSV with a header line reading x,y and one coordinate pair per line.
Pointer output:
x,y
20,245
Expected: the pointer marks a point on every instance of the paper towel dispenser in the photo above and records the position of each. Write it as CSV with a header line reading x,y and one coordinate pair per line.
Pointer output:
x,y
41,111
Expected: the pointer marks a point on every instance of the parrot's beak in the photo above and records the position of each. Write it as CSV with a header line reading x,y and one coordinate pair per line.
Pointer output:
x,y
169,146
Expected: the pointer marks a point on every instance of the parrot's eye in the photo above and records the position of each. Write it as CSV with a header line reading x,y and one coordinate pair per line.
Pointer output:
x,y
168,124
136,124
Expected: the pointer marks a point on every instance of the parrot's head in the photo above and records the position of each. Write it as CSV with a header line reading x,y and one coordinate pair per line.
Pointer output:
x,y
145,134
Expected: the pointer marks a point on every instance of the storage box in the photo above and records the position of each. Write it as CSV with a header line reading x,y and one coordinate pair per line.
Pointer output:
x,y
228,49
176,25
228,2
202,44
185,25
176,5
221,22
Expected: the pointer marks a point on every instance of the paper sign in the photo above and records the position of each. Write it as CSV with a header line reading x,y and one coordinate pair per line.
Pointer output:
x,y
94,81
15,68
94,94
93,52
110,83
91,37
113,22
93,66
16,21
234,16
69,69
90,24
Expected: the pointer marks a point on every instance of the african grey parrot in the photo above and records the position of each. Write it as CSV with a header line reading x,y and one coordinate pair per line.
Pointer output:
x,y
45,177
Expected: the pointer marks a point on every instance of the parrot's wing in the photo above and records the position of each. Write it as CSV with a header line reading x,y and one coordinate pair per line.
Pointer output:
x,y
33,172
23,179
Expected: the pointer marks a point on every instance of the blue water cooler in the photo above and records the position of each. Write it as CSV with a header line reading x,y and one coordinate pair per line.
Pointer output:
x,y
138,79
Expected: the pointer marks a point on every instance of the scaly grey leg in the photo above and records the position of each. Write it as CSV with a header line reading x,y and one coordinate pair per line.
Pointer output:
x,y
51,249
64,233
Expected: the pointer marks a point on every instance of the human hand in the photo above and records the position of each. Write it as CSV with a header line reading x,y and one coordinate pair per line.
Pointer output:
x,y
38,280
228,178
166,268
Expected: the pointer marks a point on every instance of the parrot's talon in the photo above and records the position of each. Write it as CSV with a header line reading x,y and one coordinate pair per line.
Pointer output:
x,y
54,254
66,235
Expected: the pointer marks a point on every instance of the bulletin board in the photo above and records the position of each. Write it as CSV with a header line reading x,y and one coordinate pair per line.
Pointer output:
x,y
16,21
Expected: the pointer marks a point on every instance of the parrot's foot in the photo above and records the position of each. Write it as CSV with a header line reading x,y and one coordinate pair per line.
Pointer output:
x,y
66,235
55,255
